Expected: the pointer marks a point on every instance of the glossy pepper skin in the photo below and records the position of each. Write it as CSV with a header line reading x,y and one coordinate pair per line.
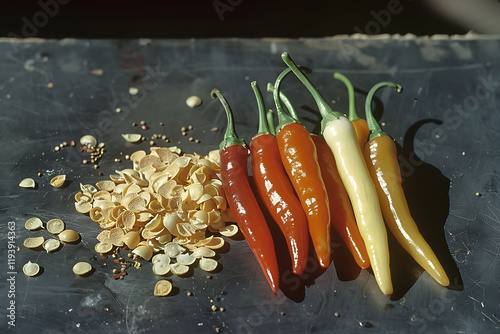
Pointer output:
x,y
298,155
381,156
340,136
241,200
341,214
276,191
360,125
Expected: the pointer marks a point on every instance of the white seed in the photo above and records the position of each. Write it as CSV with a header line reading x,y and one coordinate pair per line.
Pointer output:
x,y
82,268
208,264
132,137
27,183
31,269
88,140
161,268
51,245
69,236
55,226
133,90
193,101
33,223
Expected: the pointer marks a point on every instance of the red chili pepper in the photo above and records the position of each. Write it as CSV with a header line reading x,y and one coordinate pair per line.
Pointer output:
x,y
276,191
241,200
299,158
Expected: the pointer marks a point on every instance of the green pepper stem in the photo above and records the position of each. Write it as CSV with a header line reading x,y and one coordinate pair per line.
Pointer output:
x,y
270,122
326,112
285,101
373,125
353,116
263,125
283,119
230,136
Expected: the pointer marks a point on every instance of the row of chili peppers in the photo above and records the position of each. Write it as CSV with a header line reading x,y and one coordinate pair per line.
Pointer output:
x,y
347,176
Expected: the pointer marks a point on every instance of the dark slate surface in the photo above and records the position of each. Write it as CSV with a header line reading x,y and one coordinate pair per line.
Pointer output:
x,y
445,123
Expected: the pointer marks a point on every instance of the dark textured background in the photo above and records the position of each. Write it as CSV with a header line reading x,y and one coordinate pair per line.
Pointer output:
x,y
445,123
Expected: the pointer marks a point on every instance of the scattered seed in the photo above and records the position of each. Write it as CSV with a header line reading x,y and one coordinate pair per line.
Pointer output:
x,y
143,122
69,236
96,166
33,223
115,271
51,245
33,242
133,90
167,140
184,129
118,110
336,314
209,276
162,288
151,143
197,141
50,85
383,123
131,137
162,124
39,174
191,139
31,269
193,101
214,308
134,124
222,309
214,129
88,140
145,127
82,268
58,181
283,313
101,173
189,293
218,330
27,183
478,194
84,161
57,148
72,143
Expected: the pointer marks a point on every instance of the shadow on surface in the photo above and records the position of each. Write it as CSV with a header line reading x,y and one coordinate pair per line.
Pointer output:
x,y
427,193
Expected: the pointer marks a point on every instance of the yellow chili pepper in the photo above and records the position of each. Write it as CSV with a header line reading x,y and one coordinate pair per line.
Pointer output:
x,y
381,157
360,125
340,136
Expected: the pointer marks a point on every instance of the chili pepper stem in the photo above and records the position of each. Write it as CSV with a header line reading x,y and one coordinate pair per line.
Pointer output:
x,y
373,125
353,116
263,125
230,136
285,100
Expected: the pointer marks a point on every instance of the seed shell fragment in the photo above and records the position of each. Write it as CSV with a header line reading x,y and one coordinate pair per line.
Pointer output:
x,y
34,242
51,245
31,269
33,223
58,181
132,137
55,226
162,288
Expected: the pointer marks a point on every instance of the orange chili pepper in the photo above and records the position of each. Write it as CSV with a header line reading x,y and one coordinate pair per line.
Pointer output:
x,y
299,158
381,157
341,213
360,125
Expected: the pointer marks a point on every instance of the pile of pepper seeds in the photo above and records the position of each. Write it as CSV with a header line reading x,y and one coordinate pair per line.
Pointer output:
x,y
164,205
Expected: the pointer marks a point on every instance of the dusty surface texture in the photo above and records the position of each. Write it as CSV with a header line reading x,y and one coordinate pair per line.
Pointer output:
x,y
445,123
